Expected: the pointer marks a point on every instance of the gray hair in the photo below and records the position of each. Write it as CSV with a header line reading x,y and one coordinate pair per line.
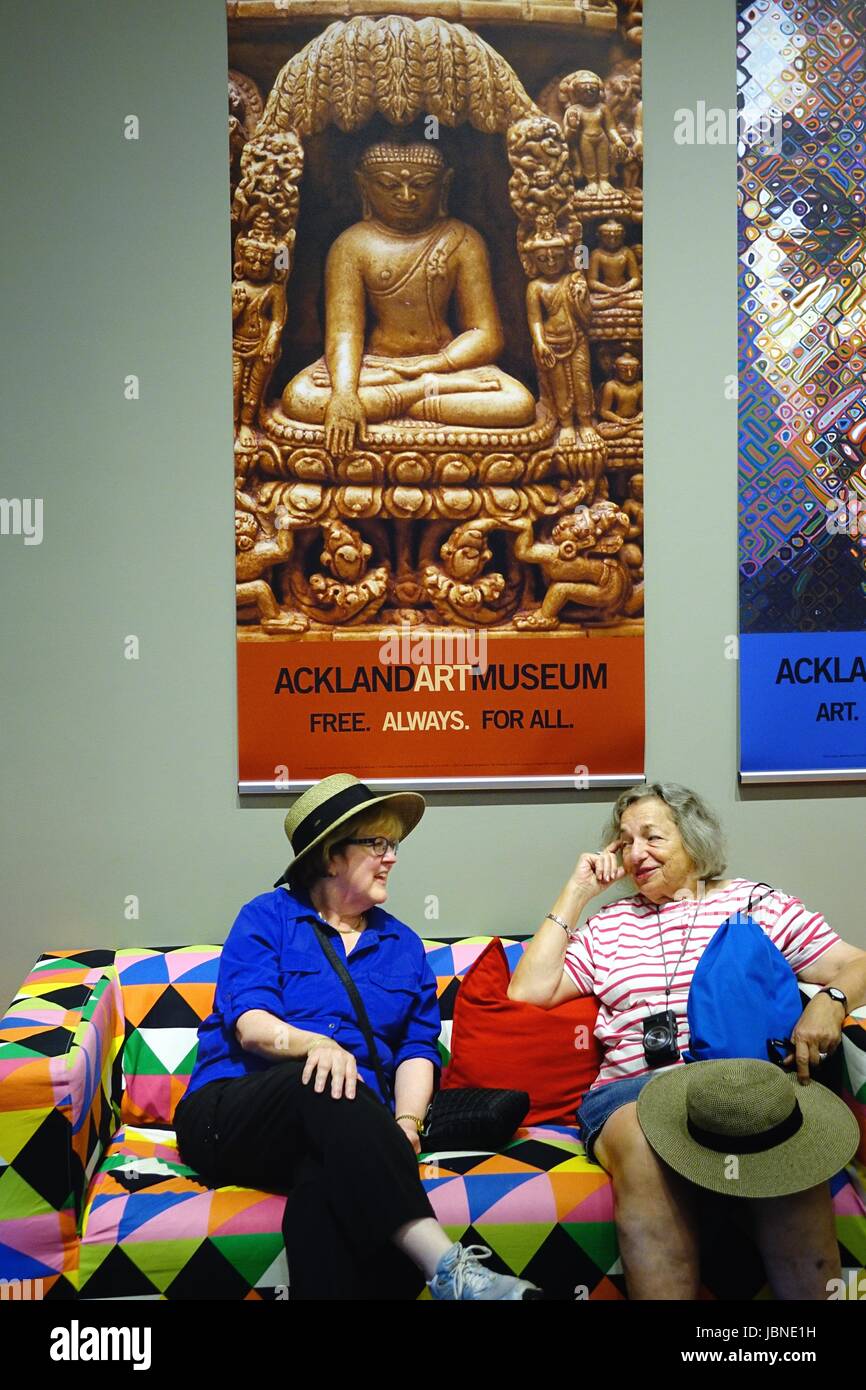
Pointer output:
x,y
697,823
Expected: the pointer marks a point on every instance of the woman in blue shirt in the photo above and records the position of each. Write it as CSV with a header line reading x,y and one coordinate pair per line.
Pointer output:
x,y
287,1093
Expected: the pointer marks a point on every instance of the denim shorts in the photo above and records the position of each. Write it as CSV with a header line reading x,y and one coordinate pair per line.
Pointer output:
x,y
599,1104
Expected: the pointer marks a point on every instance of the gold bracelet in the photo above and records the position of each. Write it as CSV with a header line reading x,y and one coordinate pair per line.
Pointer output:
x,y
419,1124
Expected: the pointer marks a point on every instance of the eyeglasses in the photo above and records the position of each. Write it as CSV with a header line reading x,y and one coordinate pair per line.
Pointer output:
x,y
378,843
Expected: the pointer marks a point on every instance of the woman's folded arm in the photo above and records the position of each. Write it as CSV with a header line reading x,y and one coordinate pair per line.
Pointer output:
x,y
540,977
268,1036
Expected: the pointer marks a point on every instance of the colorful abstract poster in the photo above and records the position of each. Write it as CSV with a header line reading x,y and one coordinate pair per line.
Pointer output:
x,y
437,355
802,390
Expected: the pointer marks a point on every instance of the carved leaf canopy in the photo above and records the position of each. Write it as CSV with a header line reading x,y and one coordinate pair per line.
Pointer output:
x,y
400,67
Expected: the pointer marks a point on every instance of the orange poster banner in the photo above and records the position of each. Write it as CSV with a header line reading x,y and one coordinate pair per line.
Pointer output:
x,y
546,708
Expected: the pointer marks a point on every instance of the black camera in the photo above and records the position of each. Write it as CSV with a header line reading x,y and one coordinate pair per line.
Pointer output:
x,y
660,1039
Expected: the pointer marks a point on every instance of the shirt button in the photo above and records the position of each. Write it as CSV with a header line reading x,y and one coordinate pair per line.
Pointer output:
x,y
331,1027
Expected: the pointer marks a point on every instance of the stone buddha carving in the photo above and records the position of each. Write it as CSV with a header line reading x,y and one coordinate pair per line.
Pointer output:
x,y
400,270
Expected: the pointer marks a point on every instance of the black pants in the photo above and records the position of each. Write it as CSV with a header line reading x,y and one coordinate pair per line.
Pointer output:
x,y
349,1171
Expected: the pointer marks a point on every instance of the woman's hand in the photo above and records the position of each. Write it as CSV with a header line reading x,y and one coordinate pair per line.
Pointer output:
x,y
324,1057
597,870
818,1030
410,1130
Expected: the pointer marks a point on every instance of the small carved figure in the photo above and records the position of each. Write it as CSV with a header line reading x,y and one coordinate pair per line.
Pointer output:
x,y
402,266
541,176
597,583
632,551
267,198
614,276
344,553
458,589
623,93
621,403
347,594
256,553
466,552
541,187
612,530
633,507
259,317
558,313
589,128
536,149
611,525
632,169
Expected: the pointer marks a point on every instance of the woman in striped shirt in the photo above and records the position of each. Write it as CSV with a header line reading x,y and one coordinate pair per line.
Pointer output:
x,y
638,956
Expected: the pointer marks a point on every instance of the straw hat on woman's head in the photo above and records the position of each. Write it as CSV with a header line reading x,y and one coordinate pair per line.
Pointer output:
x,y
336,800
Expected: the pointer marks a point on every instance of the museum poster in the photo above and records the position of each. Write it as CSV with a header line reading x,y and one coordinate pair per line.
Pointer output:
x,y
802,387
437,368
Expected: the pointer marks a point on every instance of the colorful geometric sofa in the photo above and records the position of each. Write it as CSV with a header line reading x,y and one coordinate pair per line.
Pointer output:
x,y
95,1203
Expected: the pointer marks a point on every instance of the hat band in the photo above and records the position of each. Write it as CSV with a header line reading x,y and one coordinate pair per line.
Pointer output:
x,y
747,1143
329,811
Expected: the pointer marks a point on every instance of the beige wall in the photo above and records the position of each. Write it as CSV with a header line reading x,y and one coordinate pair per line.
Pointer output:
x,y
118,777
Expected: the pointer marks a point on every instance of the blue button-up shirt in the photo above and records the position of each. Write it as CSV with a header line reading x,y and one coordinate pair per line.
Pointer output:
x,y
272,960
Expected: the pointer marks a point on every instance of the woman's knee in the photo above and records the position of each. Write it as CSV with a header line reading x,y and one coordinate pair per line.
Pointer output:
x,y
635,1167
621,1143
623,1149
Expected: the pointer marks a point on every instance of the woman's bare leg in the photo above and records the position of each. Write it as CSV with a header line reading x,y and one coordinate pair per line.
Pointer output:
x,y
655,1212
797,1239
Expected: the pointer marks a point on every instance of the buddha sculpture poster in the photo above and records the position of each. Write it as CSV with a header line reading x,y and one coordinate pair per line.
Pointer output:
x,y
437,359
802,413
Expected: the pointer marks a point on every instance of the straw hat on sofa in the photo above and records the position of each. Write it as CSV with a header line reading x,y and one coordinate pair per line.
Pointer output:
x,y
785,1136
325,806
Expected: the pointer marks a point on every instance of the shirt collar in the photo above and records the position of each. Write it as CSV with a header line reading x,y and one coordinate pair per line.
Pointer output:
x,y
299,905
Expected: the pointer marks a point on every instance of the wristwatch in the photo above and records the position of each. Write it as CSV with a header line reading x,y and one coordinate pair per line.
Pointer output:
x,y
837,995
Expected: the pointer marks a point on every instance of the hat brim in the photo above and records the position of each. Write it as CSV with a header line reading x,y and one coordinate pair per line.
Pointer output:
x,y
409,807
825,1142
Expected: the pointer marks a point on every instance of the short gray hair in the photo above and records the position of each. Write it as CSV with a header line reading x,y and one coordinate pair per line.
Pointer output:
x,y
697,823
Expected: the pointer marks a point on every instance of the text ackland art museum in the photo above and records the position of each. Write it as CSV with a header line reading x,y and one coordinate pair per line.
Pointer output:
x,y
437,353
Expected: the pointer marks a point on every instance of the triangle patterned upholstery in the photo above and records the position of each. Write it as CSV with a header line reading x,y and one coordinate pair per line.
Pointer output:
x,y
96,1050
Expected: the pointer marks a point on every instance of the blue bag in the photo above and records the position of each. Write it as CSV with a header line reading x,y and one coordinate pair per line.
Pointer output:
x,y
743,993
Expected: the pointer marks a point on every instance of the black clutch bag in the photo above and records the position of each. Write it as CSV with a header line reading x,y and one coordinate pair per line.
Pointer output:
x,y
472,1117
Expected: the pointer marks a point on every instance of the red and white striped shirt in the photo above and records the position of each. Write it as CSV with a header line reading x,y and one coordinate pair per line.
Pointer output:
x,y
618,958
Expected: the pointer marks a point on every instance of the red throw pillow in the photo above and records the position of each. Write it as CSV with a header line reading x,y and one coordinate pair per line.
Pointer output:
x,y
502,1042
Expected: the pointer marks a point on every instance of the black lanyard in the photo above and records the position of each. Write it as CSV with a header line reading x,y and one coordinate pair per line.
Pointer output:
x,y
682,952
